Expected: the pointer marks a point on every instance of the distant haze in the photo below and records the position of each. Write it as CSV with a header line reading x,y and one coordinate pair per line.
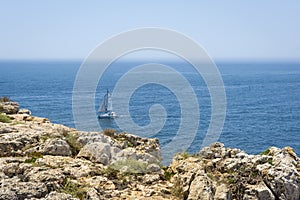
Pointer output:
x,y
228,30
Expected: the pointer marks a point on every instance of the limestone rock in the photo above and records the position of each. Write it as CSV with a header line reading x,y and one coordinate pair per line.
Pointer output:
x,y
59,196
223,173
9,107
41,160
13,188
24,111
222,192
201,187
96,152
153,168
56,147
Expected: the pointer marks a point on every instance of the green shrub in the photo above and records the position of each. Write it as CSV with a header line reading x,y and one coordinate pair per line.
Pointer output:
x,y
266,152
270,161
30,160
74,189
168,174
177,189
72,140
33,157
4,118
231,180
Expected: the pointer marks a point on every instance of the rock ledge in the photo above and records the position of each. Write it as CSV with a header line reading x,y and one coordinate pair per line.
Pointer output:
x,y
41,160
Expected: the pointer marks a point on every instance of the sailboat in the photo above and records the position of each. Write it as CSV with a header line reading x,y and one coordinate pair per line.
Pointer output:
x,y
105,110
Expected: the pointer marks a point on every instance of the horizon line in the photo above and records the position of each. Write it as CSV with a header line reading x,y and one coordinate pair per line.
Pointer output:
x,y
220,60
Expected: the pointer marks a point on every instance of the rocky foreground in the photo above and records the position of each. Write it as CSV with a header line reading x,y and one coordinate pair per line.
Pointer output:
x,y
41,160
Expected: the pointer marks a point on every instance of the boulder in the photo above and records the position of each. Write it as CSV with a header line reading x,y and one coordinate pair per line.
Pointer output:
x,y
14,188
9,107
224,173
56,147
153,168
24,111
97,152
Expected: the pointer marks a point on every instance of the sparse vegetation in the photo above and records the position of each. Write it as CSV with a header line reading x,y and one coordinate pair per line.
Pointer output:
x,y
184,154
168,173
71,139
33,157
129,144
4,99
230,180
111,173
133,166
73,188
109,132
45,137
254,174
209,175
30,160
270,161
4,118
177,189
266,152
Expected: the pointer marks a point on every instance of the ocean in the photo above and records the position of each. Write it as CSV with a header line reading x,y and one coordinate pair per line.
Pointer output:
x,y
262,110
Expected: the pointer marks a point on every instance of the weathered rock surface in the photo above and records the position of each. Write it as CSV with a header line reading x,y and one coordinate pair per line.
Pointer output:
x,y
41,160
223,173
7,106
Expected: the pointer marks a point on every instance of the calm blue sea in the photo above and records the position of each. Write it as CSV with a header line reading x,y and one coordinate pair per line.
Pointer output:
x,y
263,99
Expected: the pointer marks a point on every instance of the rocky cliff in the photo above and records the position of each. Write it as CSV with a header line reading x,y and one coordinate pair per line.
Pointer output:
x,y
41,160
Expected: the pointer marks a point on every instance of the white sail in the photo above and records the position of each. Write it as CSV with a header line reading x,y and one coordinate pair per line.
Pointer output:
x,y
103,106
105,110
109,102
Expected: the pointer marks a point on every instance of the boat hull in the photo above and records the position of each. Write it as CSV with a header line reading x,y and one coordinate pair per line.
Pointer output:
x,y
107,115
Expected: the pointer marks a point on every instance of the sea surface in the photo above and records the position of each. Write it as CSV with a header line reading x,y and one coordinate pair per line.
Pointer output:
x,y
262,109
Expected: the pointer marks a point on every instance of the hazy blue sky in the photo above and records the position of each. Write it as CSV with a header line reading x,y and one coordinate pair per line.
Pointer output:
x,y
254,29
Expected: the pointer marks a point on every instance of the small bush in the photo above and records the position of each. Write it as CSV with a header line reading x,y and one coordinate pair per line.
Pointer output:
x,y
177,189
74,189
111,173
34,156
30,160
168,174
63,131
266,152
109,132
4,99
71,139
270,161
4,118
231,180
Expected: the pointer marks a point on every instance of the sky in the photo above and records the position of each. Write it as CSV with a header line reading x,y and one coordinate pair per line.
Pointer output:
x,y
228,30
